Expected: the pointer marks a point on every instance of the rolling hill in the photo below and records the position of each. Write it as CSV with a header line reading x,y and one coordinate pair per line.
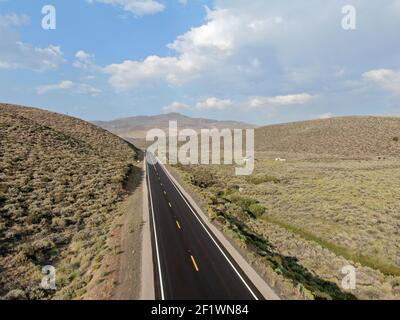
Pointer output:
x,y
354,137
61,180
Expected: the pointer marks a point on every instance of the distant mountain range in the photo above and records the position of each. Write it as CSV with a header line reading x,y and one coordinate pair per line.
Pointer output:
x,y
137,127
354,137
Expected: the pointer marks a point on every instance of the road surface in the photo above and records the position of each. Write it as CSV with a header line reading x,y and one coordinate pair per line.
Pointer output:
x,y
189,262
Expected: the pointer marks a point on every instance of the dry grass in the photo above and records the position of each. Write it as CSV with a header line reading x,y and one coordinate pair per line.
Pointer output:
x,y
354,137
333,203
352,204
301,221
61,180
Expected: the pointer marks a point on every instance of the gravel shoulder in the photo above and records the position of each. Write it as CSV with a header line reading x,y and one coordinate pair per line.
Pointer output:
x,y
119,277
129,271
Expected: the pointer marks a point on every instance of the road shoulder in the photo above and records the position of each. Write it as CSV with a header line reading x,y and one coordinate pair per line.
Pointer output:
x,y
147,267
128,283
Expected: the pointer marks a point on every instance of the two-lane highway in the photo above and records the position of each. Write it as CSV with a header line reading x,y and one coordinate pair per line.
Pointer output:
x,y
190,263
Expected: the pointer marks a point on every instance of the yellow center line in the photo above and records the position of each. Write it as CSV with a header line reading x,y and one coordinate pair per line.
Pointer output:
x,y
195,264
170,205
177,223
165,193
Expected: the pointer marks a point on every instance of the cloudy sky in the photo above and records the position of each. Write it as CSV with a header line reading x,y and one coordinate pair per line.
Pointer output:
x,y
257,61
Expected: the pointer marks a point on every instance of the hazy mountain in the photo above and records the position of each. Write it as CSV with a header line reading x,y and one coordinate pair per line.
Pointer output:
x,y
137,127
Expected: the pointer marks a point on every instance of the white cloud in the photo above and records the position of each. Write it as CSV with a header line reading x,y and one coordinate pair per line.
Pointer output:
x,y
63,85
292,99
66,85
213,103
20,55
256,48
176,107
83,88
133,73
16,54
199,50
248,51
327,115
387,79
138,7
14,20
208,104
84,60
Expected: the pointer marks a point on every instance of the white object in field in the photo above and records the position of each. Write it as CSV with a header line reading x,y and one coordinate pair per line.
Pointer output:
x,y
247,159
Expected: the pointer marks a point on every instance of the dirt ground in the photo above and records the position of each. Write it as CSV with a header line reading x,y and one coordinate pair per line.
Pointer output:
x,y
119,276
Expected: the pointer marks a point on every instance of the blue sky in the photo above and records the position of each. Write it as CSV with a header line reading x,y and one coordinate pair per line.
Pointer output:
x,y
257,61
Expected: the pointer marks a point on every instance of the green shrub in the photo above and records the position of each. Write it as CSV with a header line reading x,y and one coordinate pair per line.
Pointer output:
x,y
3,187
15,294
203,179
242,201
58,222
259,179
40,250
247,204
2,199
257,210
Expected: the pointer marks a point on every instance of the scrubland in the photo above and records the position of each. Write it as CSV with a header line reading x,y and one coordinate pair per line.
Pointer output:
x,y
329,205
61,183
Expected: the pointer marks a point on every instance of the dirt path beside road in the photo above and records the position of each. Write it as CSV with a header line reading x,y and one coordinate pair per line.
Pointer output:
x,y
129,265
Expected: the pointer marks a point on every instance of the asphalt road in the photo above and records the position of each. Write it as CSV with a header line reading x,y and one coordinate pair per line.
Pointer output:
x,y
190,263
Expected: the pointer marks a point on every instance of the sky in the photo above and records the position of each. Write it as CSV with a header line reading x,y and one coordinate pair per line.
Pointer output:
x,y
257,61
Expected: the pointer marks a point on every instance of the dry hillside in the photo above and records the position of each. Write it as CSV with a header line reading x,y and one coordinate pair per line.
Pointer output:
x,y
61,180
355,137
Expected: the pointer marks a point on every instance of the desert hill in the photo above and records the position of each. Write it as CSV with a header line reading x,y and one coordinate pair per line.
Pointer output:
x,y
358,137
61,180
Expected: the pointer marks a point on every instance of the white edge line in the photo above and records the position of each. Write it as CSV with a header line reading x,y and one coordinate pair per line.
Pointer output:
x,y
209,234
156,240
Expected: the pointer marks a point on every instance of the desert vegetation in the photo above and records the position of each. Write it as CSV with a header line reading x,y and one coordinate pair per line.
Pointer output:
x,y
61,182
347,137
303,220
